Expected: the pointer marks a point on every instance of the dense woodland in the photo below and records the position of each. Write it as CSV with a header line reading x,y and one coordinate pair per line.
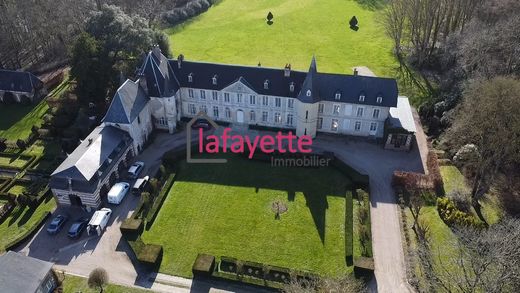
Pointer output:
x,y
35,34
467,52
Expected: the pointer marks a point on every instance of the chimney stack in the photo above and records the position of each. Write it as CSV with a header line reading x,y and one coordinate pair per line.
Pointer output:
x,y
355,71
287,70
180,58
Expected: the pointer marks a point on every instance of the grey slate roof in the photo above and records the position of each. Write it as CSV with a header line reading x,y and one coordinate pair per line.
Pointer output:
x,y
88,157
324,86
19,273
127,103
253,77
18,81
401,116
159,76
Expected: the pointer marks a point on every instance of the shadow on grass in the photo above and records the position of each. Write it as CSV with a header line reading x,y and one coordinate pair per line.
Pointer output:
x,y
11,114
314,184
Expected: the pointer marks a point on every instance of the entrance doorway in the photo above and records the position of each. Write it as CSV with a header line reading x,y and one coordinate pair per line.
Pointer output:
x,y
75,200
240,116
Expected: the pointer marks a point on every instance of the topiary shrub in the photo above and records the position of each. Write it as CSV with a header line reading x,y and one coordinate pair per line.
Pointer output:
x,y
204,265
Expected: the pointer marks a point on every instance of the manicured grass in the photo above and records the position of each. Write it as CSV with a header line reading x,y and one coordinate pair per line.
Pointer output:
x,y
22,219
235,31
453,179
226,210
14,162
17,189
16,120
73,284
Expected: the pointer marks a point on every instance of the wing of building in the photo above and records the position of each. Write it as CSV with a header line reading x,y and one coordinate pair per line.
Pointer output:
x,y
167,91
20,87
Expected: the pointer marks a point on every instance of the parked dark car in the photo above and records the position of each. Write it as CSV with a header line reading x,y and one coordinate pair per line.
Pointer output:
x,y
201,123
77,228
57,224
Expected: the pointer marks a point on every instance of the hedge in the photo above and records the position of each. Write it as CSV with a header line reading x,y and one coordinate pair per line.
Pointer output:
x,y
364,267
154,210
27,234
131,228
203,265
349,228
449,213
147,254
364,197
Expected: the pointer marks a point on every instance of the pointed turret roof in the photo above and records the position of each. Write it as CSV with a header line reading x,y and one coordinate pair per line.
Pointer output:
x,y
309,92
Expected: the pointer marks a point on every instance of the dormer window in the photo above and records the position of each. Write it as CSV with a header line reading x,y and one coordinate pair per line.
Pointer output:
x,y
379,99
190,77
309,93
266,84
214,79
291,87
337,96
362,98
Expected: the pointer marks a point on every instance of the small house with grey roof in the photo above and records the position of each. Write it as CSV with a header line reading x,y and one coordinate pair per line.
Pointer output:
x,y
24,274
20,87
167,91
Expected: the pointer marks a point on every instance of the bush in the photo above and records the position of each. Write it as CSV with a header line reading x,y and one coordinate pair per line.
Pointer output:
x,y
461,200
131,228
453,216
349,228
147,254
204,265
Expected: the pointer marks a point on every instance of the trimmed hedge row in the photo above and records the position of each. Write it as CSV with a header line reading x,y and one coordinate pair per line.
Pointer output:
x,y
149,255
349,228
154,210
365,232
131,228
251,273
27,234
29,161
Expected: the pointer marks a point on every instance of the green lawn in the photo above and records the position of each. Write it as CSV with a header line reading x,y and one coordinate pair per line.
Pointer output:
x,y
17,120
235,31
226,210
22,219
73,284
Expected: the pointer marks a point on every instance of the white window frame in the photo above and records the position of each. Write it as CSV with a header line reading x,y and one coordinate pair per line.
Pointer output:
x,y
214,80
252,100
319,124
190,93
266,84
289,119
278,102
203,108
321,106
373,124
192,109
356,128
215,95
360,112
290,103
374,115
336,109
228,113
202,94
277,118
334,125
309,93
215,111
239,98
226,98
265,116
379,99
252,116
265,101
291,87
362,98
190,77
337,96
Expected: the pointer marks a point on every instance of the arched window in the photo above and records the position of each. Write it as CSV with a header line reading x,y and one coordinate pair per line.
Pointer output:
x,y
309,93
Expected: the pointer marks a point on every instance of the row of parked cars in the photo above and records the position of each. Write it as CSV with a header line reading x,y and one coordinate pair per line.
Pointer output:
x,y
99,220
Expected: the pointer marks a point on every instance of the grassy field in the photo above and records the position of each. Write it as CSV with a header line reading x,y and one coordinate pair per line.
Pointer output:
x,y
17,120
22,219
226,210
73,284
235,31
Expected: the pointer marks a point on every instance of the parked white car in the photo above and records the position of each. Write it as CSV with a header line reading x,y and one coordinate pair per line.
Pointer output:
x,y
135,170
99,221
118,192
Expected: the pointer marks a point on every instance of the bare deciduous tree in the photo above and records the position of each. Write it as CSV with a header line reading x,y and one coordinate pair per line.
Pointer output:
x,y
347,284
98,278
